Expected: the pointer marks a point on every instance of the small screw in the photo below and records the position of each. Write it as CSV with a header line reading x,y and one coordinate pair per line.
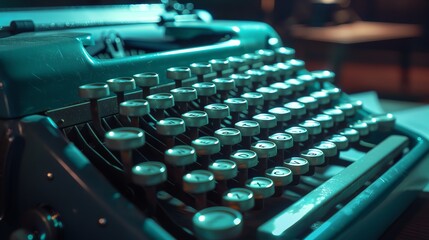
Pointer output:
x,y
50,176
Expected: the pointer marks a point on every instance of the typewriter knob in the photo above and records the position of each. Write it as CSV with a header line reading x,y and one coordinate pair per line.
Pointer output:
x,y
240,199
336,114
215,223
134,109
205,89
180,155
145,81
313,127
268,56
329,149
159,102
299,134
285,53
218,65
223,169
183,96
199,69
269,93
178,74
40,223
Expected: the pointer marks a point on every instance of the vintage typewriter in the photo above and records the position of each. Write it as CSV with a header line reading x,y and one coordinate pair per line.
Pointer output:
x,y
154,121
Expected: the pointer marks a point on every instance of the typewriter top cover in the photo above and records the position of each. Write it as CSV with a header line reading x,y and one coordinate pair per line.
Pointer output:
x,y
156,121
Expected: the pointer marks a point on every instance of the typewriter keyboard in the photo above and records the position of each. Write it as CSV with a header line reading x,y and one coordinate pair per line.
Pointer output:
x,y
251,145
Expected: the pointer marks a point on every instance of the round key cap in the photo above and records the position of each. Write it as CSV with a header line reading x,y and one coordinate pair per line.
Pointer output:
x,y
217,110
223,169
149,173
322,97
248,128
347,108
351,134
372,123
218,65
121,84
297,109
325,121
224,84
253,98
285,53
307,79
244,158
264,148
297,165
125,138
170,126
240,199
241,80
299,134
313,127
236,104
324,75
201,68
341,141
206,145
134,108
94,90
261,187
282,114
385,121
250,58
315,157
195,118
256,76
282,140
283,89
198,181
236,62
184,94
267,55
265,120
180,155
271,71
215,223
205,89
361,127
297,85
269,93
228,136
310,103
336,114
285,70
160,101
333,93
281,176
147,79
357,104
328,148
178,74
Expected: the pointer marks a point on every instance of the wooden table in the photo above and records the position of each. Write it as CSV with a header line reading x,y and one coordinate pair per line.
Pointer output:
x,y
342,37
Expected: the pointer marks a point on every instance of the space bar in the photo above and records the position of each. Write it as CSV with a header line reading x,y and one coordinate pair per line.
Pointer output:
x,y
296,218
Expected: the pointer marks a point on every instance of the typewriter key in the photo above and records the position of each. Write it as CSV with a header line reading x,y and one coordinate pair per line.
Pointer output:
x,y
315,157
266,122
145,81
134,109
200,69
240,199
159,102
183,96
236,106
285,53
337,116
351,134
323,76
297,66
265,150
326,121
298,165
228,137
223,170
215,223
297,109
194,120
177,158
204,90
205,147
361,127
93,92
223,86
270,94
198,183
248,129
285,90
218,65
254,99
307,79
125,139
283,141
251,59
178,74
272,73
372,123
322,98
314,129
120,85
241,81
217,112
298,86
311,104
333,93
262,188
170,128
329,149
281,176
236,62
282,115
268,56
347,108
341,141
257,77
244,159
285,70
299,135
385,121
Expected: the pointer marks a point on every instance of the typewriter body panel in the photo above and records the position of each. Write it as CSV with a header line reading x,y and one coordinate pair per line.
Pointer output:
x,y
60,179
